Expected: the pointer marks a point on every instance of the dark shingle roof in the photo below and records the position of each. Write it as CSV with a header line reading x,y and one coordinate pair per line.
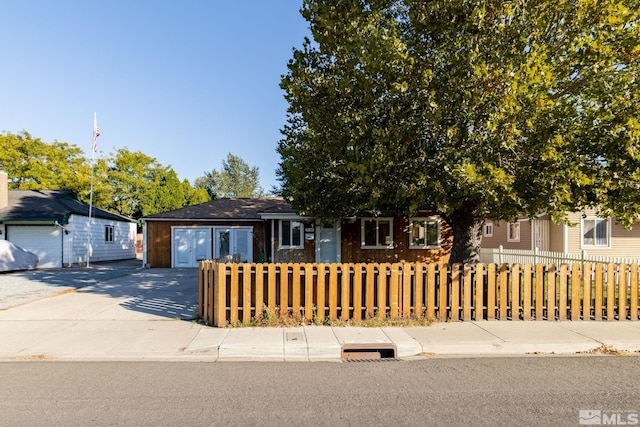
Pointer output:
x,y
50,205
229,209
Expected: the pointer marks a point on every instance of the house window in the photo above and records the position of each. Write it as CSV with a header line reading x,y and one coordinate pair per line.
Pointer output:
x,y
513,232
376,233
595,232
488,229
291,235
108,233
424,233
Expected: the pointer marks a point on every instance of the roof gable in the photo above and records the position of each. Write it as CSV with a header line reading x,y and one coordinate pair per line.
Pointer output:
x,y
50,205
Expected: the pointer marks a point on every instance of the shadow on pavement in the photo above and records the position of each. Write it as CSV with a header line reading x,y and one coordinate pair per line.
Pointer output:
x,y
169,293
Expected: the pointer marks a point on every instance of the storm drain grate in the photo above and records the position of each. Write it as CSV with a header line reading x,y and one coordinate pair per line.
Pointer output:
x,y
369,352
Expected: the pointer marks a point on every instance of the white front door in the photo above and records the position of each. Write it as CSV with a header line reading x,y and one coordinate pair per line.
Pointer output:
x,y
540,234
191,245
327,243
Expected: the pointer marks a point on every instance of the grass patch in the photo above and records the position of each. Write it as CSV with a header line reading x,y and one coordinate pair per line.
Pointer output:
x,y
606,350
267,319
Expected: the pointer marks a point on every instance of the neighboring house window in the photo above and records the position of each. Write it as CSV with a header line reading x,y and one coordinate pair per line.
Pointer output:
x,y
291,235
376,233
513,233
595,232
424,233
488,229
108,233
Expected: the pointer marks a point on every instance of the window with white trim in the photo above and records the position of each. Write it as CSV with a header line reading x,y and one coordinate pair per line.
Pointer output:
x,y
376,233
424,233
596,232
290,235
488,229
513,232
108,233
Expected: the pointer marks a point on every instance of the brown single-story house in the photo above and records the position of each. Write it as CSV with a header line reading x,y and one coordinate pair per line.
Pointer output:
x,y
270,230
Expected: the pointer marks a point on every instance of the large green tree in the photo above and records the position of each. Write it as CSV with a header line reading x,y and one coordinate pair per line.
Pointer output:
x,y
235,179
33,164
473,109
130,183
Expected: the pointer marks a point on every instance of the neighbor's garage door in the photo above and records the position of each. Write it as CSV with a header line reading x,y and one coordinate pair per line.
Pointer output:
x,y
43,240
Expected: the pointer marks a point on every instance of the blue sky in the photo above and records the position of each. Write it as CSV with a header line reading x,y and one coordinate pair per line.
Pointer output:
x,y
185,82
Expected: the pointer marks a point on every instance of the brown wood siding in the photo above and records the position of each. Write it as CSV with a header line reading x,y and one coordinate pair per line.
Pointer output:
x,y
159,240
352,252
307,254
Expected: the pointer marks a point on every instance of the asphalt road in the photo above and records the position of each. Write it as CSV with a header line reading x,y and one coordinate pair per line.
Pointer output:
x,y
524,391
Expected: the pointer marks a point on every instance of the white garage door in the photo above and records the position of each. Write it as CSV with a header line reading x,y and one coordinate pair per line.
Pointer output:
x,y
44,241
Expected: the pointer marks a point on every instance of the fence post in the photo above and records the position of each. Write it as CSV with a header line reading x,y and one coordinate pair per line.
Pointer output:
x,y
479,283
611,291
394,293
358,269
622,292
575,291
454,295
491,291
430,300
551,292
500,248
233,315
597,306
220,295
526,292
515,292
633,307
562,303
320,287
443,288
540,276
586,291
308,291
466,292
345,288
333,291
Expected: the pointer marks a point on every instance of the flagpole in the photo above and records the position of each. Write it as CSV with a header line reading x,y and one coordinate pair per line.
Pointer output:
x,y
96,133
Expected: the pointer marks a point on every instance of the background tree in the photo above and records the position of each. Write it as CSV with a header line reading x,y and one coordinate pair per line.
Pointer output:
x,y
32,164
130,183
235,179
137,185
475,110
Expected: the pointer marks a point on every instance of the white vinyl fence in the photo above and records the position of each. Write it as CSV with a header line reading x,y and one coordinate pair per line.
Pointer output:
x,y
518,256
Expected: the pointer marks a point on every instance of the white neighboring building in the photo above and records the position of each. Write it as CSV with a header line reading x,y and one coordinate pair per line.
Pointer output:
x,y
55,226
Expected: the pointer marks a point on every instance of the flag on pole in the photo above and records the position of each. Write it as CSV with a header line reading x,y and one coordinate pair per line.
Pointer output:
x,y
96,133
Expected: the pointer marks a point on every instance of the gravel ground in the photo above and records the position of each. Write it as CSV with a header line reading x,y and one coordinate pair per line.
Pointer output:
x,y
21,287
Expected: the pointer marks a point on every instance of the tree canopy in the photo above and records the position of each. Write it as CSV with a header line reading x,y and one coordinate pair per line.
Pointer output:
x,y
472,109
33,164
235,179
130,183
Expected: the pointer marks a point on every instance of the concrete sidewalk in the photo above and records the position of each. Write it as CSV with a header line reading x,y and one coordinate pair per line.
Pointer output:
x,y
149,315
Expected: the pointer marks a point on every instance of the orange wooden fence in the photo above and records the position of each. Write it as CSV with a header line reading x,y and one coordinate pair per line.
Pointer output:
x,y
234,293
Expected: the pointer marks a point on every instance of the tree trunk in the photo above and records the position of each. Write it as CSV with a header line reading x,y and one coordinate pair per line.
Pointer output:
x,y
466,224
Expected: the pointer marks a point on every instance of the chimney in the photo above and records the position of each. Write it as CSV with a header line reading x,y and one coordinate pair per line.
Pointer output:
x,y
4,189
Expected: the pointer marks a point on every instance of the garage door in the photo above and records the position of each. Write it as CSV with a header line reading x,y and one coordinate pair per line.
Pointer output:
x,y
44,241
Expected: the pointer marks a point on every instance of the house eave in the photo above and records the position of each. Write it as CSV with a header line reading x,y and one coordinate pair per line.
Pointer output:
x,y
201,219
283,216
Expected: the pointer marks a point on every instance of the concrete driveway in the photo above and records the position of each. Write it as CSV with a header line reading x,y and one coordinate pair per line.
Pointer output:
x,y
171,293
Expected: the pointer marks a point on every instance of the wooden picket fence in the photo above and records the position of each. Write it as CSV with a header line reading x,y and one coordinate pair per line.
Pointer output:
x,y
234,293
